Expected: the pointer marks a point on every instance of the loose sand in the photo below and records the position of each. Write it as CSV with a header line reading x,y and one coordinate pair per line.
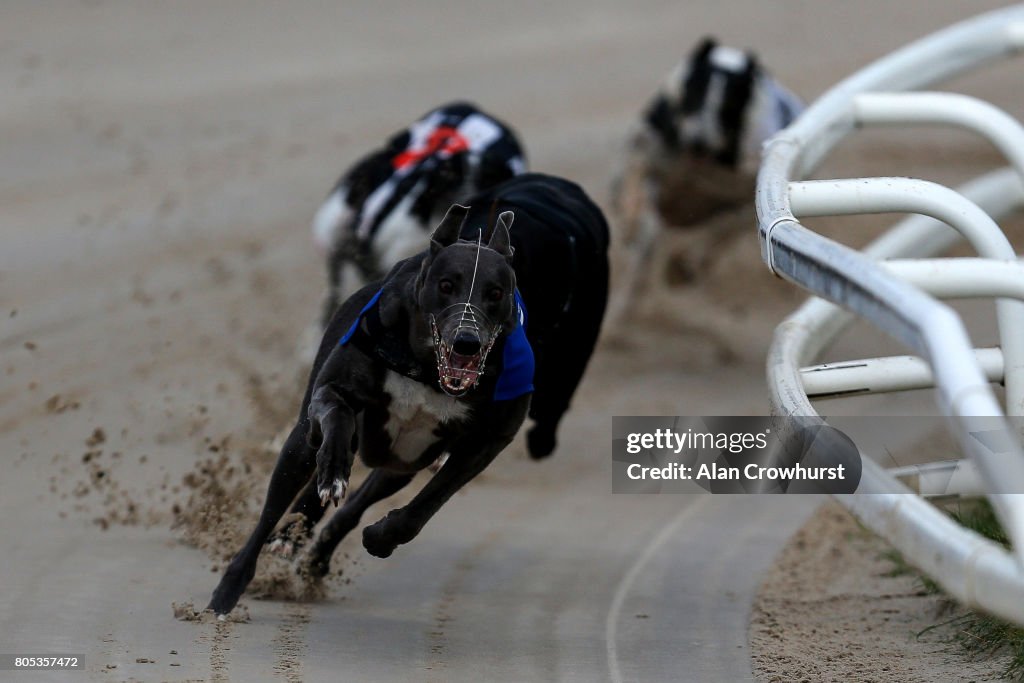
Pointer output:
x,y
832,610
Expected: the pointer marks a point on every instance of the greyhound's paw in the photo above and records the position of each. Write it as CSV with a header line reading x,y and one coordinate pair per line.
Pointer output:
x,y
540,441
382,537
334,493
229,590
288,539
377,541
282,547
286,546
221,605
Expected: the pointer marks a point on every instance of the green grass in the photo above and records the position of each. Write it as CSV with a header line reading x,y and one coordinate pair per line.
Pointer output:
x,y
984,635
978,633
980,517
900,567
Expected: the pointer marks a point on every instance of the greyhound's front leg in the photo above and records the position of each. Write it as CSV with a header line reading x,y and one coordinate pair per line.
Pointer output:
x,y
331,429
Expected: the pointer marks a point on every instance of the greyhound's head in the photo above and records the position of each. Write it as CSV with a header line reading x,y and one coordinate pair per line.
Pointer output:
x,y
719,104
465,296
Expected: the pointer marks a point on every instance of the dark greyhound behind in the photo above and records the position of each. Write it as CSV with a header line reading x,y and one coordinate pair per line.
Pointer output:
x,y
440,358
560,239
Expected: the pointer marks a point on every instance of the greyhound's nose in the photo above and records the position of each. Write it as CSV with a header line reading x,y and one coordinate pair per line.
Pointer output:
x,y
466,344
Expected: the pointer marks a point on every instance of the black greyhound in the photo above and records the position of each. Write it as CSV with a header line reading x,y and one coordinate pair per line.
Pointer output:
x,y
439,358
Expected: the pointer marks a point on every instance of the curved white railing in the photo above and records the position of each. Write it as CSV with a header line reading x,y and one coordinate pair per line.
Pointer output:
x,y
901,298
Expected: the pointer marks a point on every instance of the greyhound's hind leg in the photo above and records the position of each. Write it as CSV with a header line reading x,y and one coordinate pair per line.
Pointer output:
x,y
564,359
468,458
378,485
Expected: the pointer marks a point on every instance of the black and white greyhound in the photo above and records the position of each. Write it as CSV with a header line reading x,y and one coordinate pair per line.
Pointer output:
x,y
689,170
383,207
440,357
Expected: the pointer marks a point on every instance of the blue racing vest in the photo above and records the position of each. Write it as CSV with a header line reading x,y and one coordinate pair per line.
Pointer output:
x,y
515,377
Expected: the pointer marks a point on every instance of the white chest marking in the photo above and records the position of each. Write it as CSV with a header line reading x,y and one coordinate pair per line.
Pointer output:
x,y
414,413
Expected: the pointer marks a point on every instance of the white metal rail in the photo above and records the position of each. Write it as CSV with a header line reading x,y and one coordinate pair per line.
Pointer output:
x,y
900,297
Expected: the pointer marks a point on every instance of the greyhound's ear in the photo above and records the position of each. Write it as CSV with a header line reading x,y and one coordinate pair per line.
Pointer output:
x,y
752,65
500,240
703,49
447,231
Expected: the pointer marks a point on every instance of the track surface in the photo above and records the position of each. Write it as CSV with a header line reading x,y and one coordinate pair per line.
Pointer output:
x,y
159,164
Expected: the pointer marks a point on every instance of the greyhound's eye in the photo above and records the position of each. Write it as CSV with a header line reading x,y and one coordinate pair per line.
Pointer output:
x,y
445,287
496,294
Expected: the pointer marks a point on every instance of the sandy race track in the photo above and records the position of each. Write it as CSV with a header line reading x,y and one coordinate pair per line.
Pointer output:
x,y
159,165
